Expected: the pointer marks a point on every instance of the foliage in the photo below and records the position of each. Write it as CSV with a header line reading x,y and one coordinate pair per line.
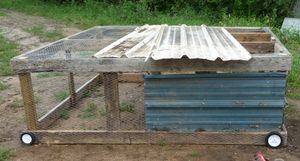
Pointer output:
x,y
5,154
87,13
49,74
90,111
126,107
7,51
15,104
61,95
2,13
45,35
65,114
3,86
277,9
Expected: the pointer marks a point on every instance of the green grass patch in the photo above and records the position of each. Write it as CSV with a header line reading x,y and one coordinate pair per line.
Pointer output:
x,y
89,111
195,154
5,154
3,86
65,114
44,34
49,74
126,107
61,95
94,13
7,52
2,13
15,104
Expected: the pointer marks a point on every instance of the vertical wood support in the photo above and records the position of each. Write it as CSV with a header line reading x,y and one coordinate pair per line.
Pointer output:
x,y
111,92
72,90
28,99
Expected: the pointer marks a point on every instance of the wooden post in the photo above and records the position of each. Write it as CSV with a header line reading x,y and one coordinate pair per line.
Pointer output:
x,y
28,99
72,90
111,92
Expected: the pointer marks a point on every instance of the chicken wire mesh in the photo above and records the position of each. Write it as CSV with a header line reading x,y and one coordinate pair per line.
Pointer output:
x,y
87,101
82,45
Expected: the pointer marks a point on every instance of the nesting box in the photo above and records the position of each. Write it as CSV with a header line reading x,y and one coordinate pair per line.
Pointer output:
x,y
153,84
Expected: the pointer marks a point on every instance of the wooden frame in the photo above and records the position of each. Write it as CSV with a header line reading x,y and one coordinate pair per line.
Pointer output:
x,y
111,68
263,40
151,137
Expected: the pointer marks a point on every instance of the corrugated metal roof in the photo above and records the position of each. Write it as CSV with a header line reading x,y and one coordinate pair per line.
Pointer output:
x,y
215,101
174,42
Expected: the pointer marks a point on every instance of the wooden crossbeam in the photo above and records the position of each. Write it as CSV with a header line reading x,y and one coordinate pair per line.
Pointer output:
x,y
251,36
151,137
259,46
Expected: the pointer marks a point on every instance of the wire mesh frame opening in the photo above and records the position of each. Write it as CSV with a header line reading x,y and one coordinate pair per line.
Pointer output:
x,y
117,115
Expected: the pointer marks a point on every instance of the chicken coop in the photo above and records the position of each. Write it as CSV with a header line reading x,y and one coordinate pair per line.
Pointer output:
x,y
156,84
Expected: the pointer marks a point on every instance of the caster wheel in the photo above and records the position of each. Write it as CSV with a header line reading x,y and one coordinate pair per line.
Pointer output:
x,y
27,138
274,140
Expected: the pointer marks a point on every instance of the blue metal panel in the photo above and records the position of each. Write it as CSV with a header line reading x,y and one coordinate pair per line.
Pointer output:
x,y
215,101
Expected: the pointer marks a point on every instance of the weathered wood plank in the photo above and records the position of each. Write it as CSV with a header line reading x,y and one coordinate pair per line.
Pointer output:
x,y
259,62
147,137
112,102
72,89
54,114
259,46
131,77
28,99
251,36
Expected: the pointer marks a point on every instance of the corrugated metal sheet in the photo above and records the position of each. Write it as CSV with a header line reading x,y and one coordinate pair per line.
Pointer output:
x,y
174,42
215,101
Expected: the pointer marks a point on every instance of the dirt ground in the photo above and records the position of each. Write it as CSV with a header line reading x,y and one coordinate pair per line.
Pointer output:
x,y
12,117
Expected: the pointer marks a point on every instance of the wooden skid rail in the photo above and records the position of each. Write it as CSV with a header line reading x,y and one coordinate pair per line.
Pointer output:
x,y
144,137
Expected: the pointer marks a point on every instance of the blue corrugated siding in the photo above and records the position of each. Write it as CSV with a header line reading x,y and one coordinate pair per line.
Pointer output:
x,y
215,101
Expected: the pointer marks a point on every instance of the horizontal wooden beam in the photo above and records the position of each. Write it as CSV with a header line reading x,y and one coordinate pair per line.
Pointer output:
x,y
150,137
252,36
131,77
50,117
259,46
259,62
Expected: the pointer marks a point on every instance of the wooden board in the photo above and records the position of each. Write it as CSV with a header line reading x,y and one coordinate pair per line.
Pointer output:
x,y
279,60
28,99
112,102
147,137
259,62
259,46
251,36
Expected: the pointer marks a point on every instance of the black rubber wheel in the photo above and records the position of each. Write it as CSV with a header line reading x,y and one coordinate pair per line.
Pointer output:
x,y
27,138
274,140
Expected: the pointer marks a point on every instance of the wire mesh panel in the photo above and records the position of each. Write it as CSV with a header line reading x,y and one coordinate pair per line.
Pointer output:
x,y
88,101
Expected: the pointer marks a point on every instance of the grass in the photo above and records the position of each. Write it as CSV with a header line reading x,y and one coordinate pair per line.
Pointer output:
x,y
2,13
99,13
195,154
44,34
126,107
65,114
7,52
15,104
89,111
3,86
162,142
290,111
61,95
49,74
5,154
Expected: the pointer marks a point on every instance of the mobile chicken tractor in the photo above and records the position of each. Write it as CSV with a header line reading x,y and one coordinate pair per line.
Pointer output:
x,y
156,84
